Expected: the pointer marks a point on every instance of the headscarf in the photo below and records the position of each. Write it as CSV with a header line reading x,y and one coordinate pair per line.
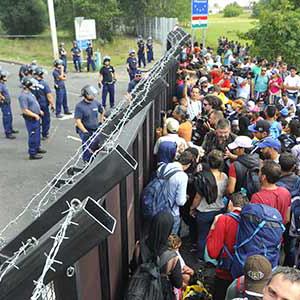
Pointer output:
x,y
160,230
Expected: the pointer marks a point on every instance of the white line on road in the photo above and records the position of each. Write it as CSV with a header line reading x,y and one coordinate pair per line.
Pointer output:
x,y
74,138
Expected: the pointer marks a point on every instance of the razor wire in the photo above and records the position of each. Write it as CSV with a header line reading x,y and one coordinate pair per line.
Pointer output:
x,y
40,290
139,95
10,262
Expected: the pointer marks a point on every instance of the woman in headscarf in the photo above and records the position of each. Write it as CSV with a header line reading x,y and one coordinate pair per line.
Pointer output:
x,y
156,245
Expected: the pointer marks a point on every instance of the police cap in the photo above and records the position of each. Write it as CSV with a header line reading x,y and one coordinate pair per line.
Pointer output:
x,y
89,91
38,71
58,62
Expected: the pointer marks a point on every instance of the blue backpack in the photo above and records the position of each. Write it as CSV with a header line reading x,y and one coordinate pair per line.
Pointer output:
x,y
275,130
155,194
260,232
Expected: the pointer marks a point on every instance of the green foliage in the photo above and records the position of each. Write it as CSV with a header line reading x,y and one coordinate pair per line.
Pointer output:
x,y
232,10
277,32
23,17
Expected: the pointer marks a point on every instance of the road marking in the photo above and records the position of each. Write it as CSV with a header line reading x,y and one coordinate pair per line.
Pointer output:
x,y
74,138
66,117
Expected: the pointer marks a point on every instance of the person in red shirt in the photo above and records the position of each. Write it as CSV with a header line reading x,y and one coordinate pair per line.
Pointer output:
x,y
224,82
216,75
223,233
271,194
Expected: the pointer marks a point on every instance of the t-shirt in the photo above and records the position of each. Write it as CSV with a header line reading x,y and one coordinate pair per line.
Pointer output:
x,y
274,89
88,113
261,83
41,93
89,51
132,62
28,101
216,76
185,131
194,108
107,73
292,81
279,198
290,105
243,89
76,52
58,82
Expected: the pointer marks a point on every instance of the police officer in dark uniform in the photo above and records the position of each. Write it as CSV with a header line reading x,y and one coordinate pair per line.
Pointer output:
x,y
149,45
76,53
132,84
60,88
5,106
90,57
63,55
44,96
25,70
32,114
141,52
131,64
107,79
88,115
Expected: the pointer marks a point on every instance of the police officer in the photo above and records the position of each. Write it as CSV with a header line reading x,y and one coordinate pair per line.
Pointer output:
x,y
132,84
7,117
131,64
32,114
89,57
76,53
88,115
107,79
63,55
141,52
25,70
149,45
60,88
44,97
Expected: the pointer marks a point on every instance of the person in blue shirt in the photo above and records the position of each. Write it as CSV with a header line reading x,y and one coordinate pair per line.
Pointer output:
x,y
76,53
149,45
131,64
261,84
89,57
107,79
5,105
88,115
60,88
141,52
63,55
32,115
132,84
44,97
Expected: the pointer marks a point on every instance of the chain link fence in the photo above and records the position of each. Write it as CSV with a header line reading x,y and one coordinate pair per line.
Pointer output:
x,y
157,28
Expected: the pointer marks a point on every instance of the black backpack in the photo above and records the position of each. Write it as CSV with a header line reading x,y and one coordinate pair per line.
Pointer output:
x,y
247,179
147,281
206,186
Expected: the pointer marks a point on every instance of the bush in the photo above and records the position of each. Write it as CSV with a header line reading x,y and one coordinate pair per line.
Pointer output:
x,y
23,17
232,10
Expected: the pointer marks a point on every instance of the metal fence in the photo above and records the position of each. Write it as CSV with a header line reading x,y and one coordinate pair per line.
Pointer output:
x,y
157,28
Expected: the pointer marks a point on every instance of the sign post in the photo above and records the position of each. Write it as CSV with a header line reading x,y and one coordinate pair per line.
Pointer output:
x,y
199,18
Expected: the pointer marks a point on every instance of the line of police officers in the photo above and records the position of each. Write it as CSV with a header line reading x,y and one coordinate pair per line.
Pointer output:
x,y
36,101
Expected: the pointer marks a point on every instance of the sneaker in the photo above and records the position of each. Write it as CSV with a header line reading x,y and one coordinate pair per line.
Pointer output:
x,y
36,156
10,137
68,113
15,131
59,116
41,151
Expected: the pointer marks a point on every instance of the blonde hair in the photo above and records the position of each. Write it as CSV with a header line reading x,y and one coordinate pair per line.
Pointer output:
x,y
174,241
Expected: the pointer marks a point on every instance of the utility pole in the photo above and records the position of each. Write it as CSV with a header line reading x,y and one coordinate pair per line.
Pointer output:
x,y
53,28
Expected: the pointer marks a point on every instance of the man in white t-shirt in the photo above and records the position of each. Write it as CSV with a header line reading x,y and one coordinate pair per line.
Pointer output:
x,y
292,84
194,107
288,103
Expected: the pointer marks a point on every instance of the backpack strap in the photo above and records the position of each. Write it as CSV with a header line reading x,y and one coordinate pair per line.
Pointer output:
x,y
235,216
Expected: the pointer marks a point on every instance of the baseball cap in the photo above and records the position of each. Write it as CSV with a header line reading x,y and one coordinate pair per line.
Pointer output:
x,y
172,125
284,112
257,272
241,142
270,142
203,79
260,126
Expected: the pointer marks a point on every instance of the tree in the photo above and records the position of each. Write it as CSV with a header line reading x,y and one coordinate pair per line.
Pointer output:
x,y
23,17
277,32
232,10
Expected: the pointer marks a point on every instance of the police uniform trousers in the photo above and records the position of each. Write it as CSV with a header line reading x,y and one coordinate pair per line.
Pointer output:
x,y
90,62
132,73
88,146
77,63
108,88
7,118
34,135
61,100
141,59
45,120
150,55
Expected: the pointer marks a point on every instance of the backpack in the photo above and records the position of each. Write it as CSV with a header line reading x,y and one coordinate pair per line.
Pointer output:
x,y
295,219
147,282
275,130
155,194
260,232
206,186
249,178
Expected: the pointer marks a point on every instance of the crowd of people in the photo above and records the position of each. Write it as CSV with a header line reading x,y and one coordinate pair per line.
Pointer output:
x,y
227,167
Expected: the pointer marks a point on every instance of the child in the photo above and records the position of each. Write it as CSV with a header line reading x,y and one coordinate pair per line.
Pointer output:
x,y
175,244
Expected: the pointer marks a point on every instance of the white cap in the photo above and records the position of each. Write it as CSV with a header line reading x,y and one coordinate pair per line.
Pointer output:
x,y
241,142
172,125
203,79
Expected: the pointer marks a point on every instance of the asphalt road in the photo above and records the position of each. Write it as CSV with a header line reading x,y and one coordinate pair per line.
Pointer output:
x,y
22,178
